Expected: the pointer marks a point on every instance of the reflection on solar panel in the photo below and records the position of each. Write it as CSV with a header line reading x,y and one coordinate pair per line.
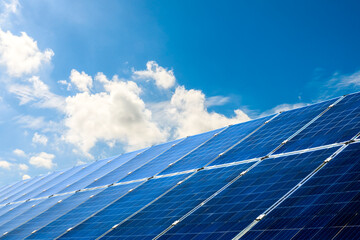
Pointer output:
x,y
292,175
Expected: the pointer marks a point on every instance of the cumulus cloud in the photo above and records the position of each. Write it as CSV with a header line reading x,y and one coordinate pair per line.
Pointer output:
x,y
163,78
38,93
25,177
118,113
38,138
43,160
5,164
20,55
19,152
187,110
81,80
23,167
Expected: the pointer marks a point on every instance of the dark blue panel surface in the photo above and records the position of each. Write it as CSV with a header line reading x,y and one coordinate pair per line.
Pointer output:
x,y
326,207
111,164
236,207
269,137
122,208
158,216
31,213
170,156
133,164
216,145
50,215
82,212
340,123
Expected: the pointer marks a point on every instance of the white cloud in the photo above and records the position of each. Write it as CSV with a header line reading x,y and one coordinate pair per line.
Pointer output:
x,y
66,83
5,164
346,80
37,92
23,167
81,80
216,101
188,112
25,177
116,114
43,160
19,152
163,78
38,138
20,55
8,7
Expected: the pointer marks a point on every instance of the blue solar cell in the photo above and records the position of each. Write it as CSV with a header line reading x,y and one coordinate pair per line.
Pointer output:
x,y
25,192
111,164
84,171
159,215
216,145
82,212
29,214
269,137
170,156
6,189
133,164
326,206
56,181
340,123
19,209
4,209
123,208
50,215
238,205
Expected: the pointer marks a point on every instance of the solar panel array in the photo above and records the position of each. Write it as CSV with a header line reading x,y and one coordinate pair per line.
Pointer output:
x,y
292,175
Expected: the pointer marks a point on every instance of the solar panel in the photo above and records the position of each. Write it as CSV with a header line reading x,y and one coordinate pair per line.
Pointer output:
x,y
57,210
82,212
273,134
291,175
29,214
217,145
225,215
111,164
338,124
123,208
176,153
133,164
326,207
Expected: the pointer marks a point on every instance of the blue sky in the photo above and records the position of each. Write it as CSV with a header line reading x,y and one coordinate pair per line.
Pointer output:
x,y
84,80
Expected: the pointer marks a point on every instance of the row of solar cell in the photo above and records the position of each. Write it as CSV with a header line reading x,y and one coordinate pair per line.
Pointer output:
x,y
57,210
216,145
133,164
29,214
26,188
326,207
122,208
225,215
83,211
174,154
338,124
111,164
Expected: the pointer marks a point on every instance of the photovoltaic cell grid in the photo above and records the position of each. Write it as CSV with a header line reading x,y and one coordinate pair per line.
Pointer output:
x,y
338,124
228,213
325,207
266,139
150,195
